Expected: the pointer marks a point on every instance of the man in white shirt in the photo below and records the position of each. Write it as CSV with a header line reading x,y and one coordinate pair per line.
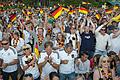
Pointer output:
x,y
83,65
67,58
10,60
102,40
115,40
49,61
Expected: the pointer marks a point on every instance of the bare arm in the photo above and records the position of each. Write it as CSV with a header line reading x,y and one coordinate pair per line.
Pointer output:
x,y
82,25
98,29
93,25
42,64
54,65
15,61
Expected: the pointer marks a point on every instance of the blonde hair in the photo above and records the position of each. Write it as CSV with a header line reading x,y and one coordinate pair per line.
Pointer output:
x,y
101,59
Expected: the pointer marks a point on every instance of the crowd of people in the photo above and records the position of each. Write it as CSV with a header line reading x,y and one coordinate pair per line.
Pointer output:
x,y
74,46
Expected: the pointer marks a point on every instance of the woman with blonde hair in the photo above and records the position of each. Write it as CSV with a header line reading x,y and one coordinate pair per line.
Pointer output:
x,y
103,72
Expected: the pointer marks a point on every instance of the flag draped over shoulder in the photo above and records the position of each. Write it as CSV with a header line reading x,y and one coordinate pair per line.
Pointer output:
x,y
13,17
57,12
36,50
83,10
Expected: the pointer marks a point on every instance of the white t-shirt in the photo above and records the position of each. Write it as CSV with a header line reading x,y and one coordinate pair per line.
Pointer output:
x,y
8,56
48,68
19,45
32,69
83,67
115,43
69,67
101,41
26,36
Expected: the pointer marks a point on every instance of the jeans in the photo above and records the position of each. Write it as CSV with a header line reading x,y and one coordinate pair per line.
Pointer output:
x,y
37,78
100,52
12,74
70,76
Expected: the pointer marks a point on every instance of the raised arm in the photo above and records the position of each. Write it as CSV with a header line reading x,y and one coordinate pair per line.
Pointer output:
x,y
98,29
82,25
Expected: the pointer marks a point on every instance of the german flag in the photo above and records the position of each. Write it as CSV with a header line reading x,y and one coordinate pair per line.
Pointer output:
x,y
108,11
65,9
41,11
116,18
115,7
97,16
84,3
13,17
29,13
36,50
57,12
83,10
71,12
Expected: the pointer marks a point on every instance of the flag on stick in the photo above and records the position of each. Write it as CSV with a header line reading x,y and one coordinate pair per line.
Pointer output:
x,y
57,12
13,17
36,50
83,10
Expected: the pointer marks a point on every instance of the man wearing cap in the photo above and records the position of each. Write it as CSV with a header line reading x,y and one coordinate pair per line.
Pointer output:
x,y
115,40
29,64
10,60
67,62
49,61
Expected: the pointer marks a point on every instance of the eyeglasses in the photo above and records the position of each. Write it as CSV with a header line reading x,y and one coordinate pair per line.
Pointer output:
x,y
106,61
26,49
4,43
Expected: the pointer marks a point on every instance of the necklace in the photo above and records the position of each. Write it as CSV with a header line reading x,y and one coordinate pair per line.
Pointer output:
x,y
15,42
60,43
108,75
40,39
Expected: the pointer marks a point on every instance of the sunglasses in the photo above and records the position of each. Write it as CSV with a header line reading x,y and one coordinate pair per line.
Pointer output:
x,y
26,49
28,75
106,61
102,29
4,43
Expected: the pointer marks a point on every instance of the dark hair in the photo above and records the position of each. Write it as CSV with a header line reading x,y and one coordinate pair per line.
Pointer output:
x,y
5,37
111,53
68,45
53,74
48,43
84,53
48,34
17,33
97,56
